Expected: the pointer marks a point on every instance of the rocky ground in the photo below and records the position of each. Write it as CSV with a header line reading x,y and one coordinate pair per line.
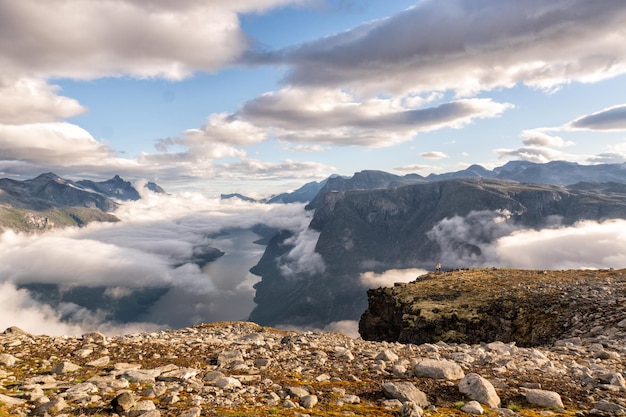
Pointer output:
x,y
242,369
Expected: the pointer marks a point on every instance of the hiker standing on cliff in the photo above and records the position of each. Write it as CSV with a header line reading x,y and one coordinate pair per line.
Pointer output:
x,y
438,268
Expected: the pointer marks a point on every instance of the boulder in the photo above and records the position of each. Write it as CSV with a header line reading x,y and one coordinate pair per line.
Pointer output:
x,y
478,388
439,369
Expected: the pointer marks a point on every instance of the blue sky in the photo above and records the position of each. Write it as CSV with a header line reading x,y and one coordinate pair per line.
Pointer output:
x,y
262,96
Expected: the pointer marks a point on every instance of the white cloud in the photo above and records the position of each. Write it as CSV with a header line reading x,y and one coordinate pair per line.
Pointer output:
x,y
539,138
302,258
466,241
122,37
414,168
615,154
537,154
61,144
29,100
153,247
584,245
390,277
433,155
338,117
467,47
484,239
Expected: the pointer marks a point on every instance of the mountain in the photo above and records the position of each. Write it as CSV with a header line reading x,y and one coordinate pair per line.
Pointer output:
x,y
303,194
49,201
364,180
554,172
237,195
380,229
117,188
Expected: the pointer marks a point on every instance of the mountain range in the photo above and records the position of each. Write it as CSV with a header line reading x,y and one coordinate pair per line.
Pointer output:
x,y
394,227
49,201
372,221
555,172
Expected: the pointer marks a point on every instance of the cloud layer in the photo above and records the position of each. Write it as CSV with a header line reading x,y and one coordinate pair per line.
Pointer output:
x,y
467,46
48,39
154,246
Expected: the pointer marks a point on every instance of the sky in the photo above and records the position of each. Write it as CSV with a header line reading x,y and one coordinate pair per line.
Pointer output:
x,y
262,96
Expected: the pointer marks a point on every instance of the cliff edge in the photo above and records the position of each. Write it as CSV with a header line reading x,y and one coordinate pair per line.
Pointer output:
x,y
529,308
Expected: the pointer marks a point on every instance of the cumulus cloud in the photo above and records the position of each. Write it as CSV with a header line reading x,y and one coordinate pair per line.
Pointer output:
x,y
30,100
584,245
541,145
609,119
126,37
337,117
540,138
466,47
58,144
390,277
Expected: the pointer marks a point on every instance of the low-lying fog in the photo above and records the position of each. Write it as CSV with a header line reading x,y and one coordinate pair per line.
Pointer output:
x,y
151,248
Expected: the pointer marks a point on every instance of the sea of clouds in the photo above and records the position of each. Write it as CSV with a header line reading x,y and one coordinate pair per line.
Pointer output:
x,y
154,243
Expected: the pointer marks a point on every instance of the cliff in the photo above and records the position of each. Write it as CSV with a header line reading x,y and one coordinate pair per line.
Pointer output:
x,y
529,308
377,230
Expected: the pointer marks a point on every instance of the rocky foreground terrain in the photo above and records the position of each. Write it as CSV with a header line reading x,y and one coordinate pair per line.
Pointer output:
x,y
242,369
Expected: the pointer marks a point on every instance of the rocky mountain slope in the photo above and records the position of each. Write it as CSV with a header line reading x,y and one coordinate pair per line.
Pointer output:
x,y
242,369
377,230
117,188
49,201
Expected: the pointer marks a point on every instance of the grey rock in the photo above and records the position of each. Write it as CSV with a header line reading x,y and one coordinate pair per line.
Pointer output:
x,y
387,356
297,391
180,375
65,367
141,375
11,401
123,402
81,390
100,362
607,407
405,391
410,409
439,369
478,388
543,398
229,358
473,408
289,404
192,412
227,383
350,399
141,408
308,401
7,360
53,406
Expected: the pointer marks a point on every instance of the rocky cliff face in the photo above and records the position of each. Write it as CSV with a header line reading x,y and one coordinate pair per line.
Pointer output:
x,y
377,230
529,308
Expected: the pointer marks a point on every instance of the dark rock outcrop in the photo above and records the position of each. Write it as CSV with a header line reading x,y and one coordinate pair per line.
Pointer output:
x,y
529,308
